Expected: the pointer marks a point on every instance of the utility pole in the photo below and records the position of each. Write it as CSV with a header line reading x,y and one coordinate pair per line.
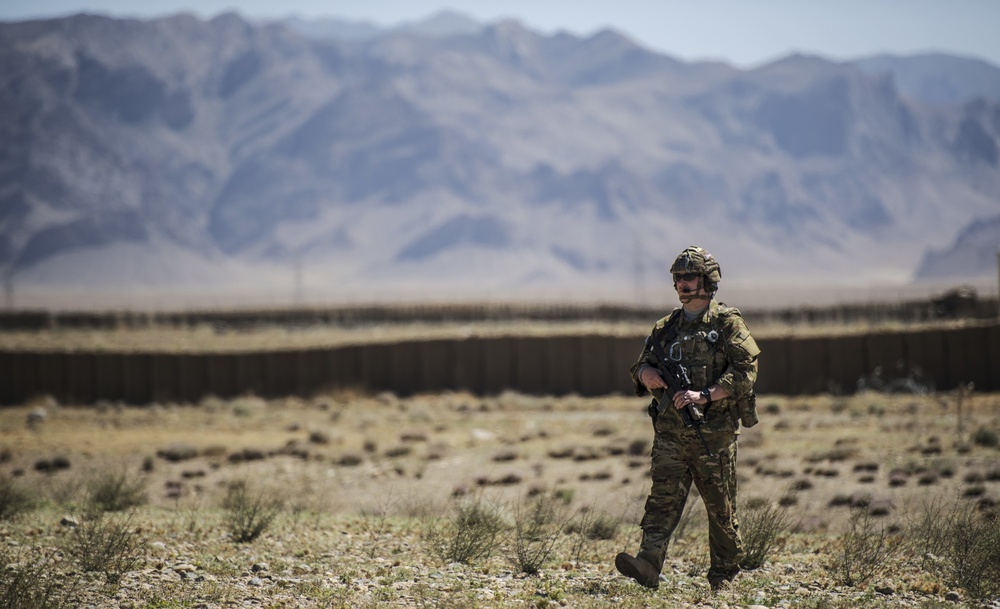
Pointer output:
x,y
8,289
298,292
637,272
998,282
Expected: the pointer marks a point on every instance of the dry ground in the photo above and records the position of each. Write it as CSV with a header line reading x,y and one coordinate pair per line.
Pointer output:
x,y
364,479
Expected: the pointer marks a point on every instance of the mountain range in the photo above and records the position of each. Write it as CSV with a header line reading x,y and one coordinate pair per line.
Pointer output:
x,y
448,159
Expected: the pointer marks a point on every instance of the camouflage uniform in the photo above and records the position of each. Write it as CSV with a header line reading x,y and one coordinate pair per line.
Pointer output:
x,y
716,349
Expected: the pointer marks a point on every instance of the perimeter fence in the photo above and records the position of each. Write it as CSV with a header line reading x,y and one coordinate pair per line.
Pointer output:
x,y
589,365
955,304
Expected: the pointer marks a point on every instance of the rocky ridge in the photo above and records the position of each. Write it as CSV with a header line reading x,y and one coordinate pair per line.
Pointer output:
x,y
179,153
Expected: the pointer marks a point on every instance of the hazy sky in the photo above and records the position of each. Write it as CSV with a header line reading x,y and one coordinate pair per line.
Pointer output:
x,y
743,32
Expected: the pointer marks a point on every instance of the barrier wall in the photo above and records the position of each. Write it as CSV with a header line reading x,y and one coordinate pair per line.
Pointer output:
x,y
589,365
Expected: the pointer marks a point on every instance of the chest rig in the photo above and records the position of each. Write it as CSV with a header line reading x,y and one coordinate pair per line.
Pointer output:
x,y
694,345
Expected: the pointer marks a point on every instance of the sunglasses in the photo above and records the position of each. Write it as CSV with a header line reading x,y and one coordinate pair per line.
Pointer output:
x,y
685,276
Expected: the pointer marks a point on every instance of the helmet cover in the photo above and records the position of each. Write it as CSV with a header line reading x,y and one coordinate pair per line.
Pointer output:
x,y
696,260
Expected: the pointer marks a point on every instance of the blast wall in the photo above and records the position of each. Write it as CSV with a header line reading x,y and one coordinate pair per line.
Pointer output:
x,y
589,365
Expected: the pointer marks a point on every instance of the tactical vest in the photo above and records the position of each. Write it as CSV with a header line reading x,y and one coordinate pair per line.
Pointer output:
x,y
699,347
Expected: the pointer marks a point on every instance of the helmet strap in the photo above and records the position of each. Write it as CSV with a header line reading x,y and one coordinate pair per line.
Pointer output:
x,y
699,293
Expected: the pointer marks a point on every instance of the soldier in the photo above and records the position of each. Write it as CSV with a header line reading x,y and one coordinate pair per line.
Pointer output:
x,y
712,343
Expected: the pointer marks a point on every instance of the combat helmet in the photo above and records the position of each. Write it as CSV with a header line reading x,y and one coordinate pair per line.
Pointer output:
x,y
696,260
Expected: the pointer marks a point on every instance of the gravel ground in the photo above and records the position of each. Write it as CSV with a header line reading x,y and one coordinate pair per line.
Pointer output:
x,y
369,486
308,560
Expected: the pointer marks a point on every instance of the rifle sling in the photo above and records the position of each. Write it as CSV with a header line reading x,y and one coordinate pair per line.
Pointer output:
x,y
669,333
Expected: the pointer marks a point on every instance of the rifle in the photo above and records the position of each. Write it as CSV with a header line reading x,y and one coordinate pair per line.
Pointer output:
x,y
676,377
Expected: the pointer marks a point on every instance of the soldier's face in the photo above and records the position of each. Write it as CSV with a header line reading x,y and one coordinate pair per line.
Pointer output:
x,y
689,286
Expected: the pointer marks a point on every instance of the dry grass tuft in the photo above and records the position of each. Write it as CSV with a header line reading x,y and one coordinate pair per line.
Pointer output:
x,y
248,512
866,550
27,582
108,544
116,491
761,524
15,498
472,533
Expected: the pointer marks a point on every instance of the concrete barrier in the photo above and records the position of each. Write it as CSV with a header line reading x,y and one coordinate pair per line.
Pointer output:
x,y
81,379
498,363
345,367
564,362
437,365
994,353
223,375
968,357
470,365
312,370
377,371
847,363
137,378
406,367
626,351
808,365
773,367
887,352
598,370
532,363
587,365
165,381
195,378
928,359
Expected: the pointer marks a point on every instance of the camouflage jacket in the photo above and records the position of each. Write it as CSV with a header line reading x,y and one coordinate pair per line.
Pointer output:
x,y
716,349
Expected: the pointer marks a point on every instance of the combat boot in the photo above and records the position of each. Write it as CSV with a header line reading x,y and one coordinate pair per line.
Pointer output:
x,y
640,568
720,580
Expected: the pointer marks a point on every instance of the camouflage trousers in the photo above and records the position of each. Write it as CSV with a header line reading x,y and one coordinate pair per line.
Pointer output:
x,y
678,459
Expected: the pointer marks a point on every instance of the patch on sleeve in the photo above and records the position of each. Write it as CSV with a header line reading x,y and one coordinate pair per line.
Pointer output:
x,y
741,339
